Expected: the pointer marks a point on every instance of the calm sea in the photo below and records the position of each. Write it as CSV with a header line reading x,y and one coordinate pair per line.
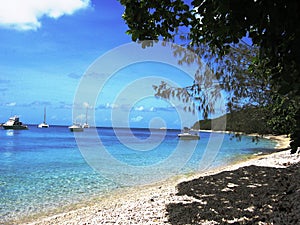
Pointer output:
x,y
44,169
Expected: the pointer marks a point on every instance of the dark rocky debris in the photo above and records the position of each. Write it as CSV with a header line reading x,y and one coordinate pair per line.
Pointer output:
x,y
249,195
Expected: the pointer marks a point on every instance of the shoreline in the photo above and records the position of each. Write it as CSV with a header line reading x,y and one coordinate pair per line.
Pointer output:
x,y
283,141
147,203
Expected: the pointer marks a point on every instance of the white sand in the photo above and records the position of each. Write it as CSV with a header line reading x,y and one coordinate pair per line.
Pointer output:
x,y
146,205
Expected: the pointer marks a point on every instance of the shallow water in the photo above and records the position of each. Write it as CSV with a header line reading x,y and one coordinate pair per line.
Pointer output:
x,y
44,169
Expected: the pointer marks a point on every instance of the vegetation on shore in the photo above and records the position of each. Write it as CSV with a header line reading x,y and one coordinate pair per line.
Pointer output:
x,y
256,120
263,71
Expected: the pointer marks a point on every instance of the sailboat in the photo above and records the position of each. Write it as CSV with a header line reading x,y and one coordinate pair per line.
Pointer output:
x,y
44,124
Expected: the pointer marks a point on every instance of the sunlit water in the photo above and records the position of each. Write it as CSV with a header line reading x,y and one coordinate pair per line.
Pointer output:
x,y
43,169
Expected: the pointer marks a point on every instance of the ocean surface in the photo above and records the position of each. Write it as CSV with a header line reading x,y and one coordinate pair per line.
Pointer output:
x,y
45,169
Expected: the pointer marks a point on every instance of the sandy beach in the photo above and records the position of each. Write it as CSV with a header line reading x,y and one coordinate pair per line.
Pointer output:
x,y
205,198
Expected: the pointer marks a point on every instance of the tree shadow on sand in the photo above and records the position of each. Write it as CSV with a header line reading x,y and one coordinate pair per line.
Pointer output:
x,y
248,195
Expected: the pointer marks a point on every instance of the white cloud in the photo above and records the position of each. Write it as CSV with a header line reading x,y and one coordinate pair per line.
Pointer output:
x,y
141,108
26,14
111,106
11,104
86,105
136,119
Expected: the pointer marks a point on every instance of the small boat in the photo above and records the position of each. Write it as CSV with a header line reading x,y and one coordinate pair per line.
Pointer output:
x,y
76,128
187,134
86,125
14,123
44,124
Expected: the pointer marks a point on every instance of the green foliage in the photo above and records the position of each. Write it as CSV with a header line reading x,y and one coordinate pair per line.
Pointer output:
x,y
248,121
231,74
148,20
282,115
214,30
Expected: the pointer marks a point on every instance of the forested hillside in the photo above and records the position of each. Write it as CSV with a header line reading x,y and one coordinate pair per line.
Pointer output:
x,y
253,120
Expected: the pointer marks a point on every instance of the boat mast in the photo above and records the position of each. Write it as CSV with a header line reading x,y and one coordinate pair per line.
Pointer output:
x,y
86,116
44,114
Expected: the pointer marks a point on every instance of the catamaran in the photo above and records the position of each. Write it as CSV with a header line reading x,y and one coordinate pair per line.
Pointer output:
x,y
44,124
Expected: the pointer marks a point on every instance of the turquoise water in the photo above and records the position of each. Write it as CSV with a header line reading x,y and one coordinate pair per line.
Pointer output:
x,y
44,169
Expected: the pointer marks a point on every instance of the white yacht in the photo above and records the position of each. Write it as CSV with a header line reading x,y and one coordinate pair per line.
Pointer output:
x,y
76,128
14,123
86,125
187,134
44,124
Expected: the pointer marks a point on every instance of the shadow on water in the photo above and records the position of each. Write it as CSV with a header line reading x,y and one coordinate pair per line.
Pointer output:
x,y
248,195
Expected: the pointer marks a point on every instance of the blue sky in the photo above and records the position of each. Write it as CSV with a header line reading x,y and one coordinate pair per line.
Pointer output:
x,y
46,48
